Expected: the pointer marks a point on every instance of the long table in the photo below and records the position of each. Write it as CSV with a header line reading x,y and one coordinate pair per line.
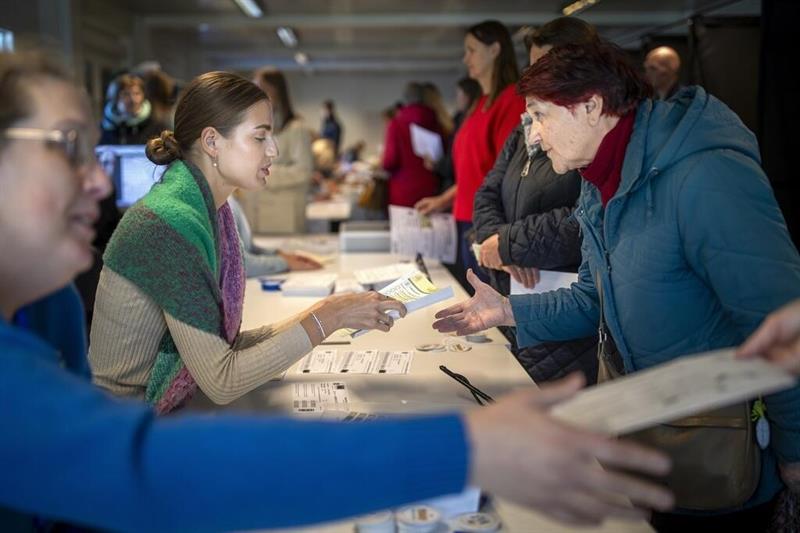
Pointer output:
x,y
490,366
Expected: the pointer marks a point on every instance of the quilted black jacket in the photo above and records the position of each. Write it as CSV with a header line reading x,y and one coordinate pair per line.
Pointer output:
x,y
533,216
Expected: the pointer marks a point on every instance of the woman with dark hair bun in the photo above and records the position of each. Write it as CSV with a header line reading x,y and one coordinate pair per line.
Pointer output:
x,y
169,301
684,247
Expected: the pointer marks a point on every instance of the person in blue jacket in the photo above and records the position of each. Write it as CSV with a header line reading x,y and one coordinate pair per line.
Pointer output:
x,y
680,228
70,453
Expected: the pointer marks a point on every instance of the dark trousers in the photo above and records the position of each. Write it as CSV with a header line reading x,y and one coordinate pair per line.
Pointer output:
x,y
753,520
466,258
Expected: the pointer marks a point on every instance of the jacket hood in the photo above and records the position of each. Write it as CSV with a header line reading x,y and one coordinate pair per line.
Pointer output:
x,y
667,132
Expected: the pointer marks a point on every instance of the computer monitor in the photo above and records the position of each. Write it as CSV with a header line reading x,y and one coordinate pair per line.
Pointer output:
x,y
132,173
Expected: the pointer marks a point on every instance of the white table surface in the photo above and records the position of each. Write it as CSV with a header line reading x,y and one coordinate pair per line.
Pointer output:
x,y
490,366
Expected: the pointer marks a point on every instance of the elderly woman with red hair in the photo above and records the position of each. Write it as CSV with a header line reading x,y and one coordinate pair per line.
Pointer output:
x,y
684,246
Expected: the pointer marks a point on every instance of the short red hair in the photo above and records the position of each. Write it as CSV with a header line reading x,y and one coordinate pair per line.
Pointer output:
x,y
570,74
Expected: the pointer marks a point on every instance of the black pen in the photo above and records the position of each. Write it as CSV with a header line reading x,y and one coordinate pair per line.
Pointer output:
x,y
464,381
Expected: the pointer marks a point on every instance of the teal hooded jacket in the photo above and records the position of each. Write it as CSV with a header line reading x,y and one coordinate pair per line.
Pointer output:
x,y
692,251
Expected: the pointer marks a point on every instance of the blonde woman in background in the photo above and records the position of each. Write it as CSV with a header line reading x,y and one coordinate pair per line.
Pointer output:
x,y
281,206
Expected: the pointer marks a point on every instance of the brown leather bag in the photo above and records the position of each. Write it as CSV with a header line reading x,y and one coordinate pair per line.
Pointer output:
x,y
716,463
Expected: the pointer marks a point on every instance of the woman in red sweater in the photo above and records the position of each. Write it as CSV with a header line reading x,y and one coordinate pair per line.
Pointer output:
x,y
489,57
409,179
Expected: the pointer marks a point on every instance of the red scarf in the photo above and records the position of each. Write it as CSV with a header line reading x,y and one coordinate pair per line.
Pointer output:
x,y
605,170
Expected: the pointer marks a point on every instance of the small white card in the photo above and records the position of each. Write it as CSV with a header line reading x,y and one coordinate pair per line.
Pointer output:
x,y
394,362
318,362
358,362
320,397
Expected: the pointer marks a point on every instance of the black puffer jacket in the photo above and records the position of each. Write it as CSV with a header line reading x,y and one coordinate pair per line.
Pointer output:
x,y
533,216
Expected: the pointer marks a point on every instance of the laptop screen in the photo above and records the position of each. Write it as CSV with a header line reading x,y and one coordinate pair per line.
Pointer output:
x,y
132,173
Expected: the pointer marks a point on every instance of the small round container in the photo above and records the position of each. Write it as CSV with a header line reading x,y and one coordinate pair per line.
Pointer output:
x,y
430,347
418,519
478,338
382,522
270,284
474,522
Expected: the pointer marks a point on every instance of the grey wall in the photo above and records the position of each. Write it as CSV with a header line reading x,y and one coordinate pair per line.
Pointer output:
x,y
360,98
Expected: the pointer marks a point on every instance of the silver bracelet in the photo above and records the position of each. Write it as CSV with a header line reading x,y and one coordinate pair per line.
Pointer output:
x,y
319,324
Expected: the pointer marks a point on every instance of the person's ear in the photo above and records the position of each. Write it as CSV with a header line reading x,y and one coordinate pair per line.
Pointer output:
x,y
494,49
594,109
209,139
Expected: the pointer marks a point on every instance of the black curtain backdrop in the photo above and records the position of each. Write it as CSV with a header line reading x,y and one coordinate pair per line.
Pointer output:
x,y
779,104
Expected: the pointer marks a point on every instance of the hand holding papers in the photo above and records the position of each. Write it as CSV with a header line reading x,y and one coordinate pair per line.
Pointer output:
x,y
679,388
415,292
433,236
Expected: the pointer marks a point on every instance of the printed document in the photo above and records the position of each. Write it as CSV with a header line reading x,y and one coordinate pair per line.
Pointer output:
x,y
332,361
434,236
682,387
426,143
319,397
415,291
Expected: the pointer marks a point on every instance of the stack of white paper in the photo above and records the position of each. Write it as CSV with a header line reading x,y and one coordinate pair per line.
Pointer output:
x,y
316,284
434,236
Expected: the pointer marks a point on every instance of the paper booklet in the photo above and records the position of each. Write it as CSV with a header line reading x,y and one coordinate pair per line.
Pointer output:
x,y
415,291
682,387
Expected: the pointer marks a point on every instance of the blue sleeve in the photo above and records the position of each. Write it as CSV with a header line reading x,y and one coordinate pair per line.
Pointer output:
x,y
58,319
735,239
262,264
564,314
70,452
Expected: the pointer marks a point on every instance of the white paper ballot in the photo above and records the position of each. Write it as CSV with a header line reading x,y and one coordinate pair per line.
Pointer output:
x,y
394,362
415,291
434,236
358,362
673,390
320,361
319,397
549,280
331,361
426,143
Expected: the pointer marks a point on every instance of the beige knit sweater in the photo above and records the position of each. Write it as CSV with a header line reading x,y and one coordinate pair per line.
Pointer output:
x,y
127,328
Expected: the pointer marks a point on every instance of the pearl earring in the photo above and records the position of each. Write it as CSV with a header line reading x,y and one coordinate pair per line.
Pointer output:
x,y
214,163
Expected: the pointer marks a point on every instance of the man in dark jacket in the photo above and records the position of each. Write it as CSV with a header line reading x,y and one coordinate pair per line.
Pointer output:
x,y
523,220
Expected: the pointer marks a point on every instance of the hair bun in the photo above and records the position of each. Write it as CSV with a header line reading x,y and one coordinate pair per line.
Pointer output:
x,y
164,149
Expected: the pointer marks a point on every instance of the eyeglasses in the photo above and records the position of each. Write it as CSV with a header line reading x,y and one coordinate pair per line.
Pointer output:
x,y
76,145
478,394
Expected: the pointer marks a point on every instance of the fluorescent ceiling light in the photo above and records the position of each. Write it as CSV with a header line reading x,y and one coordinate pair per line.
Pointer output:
x,y
287,36
577,6
250,8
